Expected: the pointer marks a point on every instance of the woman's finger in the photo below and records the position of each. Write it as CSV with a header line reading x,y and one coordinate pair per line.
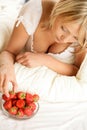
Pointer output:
x,y
1,82
23,60
25,63
15,86
19,56
5,86
20,60
23,55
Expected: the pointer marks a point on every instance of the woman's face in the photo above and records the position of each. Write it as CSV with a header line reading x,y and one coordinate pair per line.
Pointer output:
x,y
65,32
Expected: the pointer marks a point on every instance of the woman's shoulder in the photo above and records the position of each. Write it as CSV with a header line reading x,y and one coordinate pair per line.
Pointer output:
x,y
30,15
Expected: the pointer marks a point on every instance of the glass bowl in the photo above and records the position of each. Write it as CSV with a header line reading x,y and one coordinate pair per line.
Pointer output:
x,y
16,116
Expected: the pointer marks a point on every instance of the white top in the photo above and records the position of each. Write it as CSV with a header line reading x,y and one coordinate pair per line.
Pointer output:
x,y
30,15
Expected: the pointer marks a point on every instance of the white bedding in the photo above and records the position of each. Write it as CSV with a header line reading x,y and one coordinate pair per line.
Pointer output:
x,y
53,87
51,116
63,103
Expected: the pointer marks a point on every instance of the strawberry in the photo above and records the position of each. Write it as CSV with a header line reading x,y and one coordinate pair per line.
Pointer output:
x,y
32,106
29,98
20,113
35,97
21,95
14,102
20,103
12,95
7,104
13,110
28,111
4,97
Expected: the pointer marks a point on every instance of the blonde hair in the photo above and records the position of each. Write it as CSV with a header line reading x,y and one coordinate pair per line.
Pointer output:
x,y
71,10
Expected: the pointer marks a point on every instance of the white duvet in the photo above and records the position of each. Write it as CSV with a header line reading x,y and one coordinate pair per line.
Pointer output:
x,y
53,87
63,99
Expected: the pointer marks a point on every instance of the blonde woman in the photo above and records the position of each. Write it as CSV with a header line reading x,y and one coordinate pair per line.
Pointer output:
x,y
50,33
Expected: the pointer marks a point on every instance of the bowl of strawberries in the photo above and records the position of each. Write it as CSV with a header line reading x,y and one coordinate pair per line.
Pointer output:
x,y
20,105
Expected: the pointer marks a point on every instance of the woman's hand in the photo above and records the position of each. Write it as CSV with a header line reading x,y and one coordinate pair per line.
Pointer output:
x,y
30,59
7,75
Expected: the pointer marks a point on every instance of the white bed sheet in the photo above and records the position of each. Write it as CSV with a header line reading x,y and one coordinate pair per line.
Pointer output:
x,y
51,116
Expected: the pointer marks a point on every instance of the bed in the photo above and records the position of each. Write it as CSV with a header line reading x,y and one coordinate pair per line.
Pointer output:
x,y
63,103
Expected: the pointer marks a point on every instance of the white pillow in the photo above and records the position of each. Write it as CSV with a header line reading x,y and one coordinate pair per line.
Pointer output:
x,y
7,3
9,11
51,86
82,73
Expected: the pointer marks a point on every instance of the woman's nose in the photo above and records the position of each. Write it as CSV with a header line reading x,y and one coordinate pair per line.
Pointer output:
x,y
61,37
66,39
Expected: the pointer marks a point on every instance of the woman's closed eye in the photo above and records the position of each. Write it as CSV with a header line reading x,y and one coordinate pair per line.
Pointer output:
x,y
64,29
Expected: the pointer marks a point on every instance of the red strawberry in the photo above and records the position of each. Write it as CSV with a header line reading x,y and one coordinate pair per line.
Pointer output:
x,y
13,110
14,102
4,97
32,106
20,113
35,97
8,104
20,103
12,95
21,95
28,111
29,98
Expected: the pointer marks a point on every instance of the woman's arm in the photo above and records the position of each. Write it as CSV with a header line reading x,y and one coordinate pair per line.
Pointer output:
x,y
7,73
7,58
60,67
16,43
18,39
37,59
80,57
